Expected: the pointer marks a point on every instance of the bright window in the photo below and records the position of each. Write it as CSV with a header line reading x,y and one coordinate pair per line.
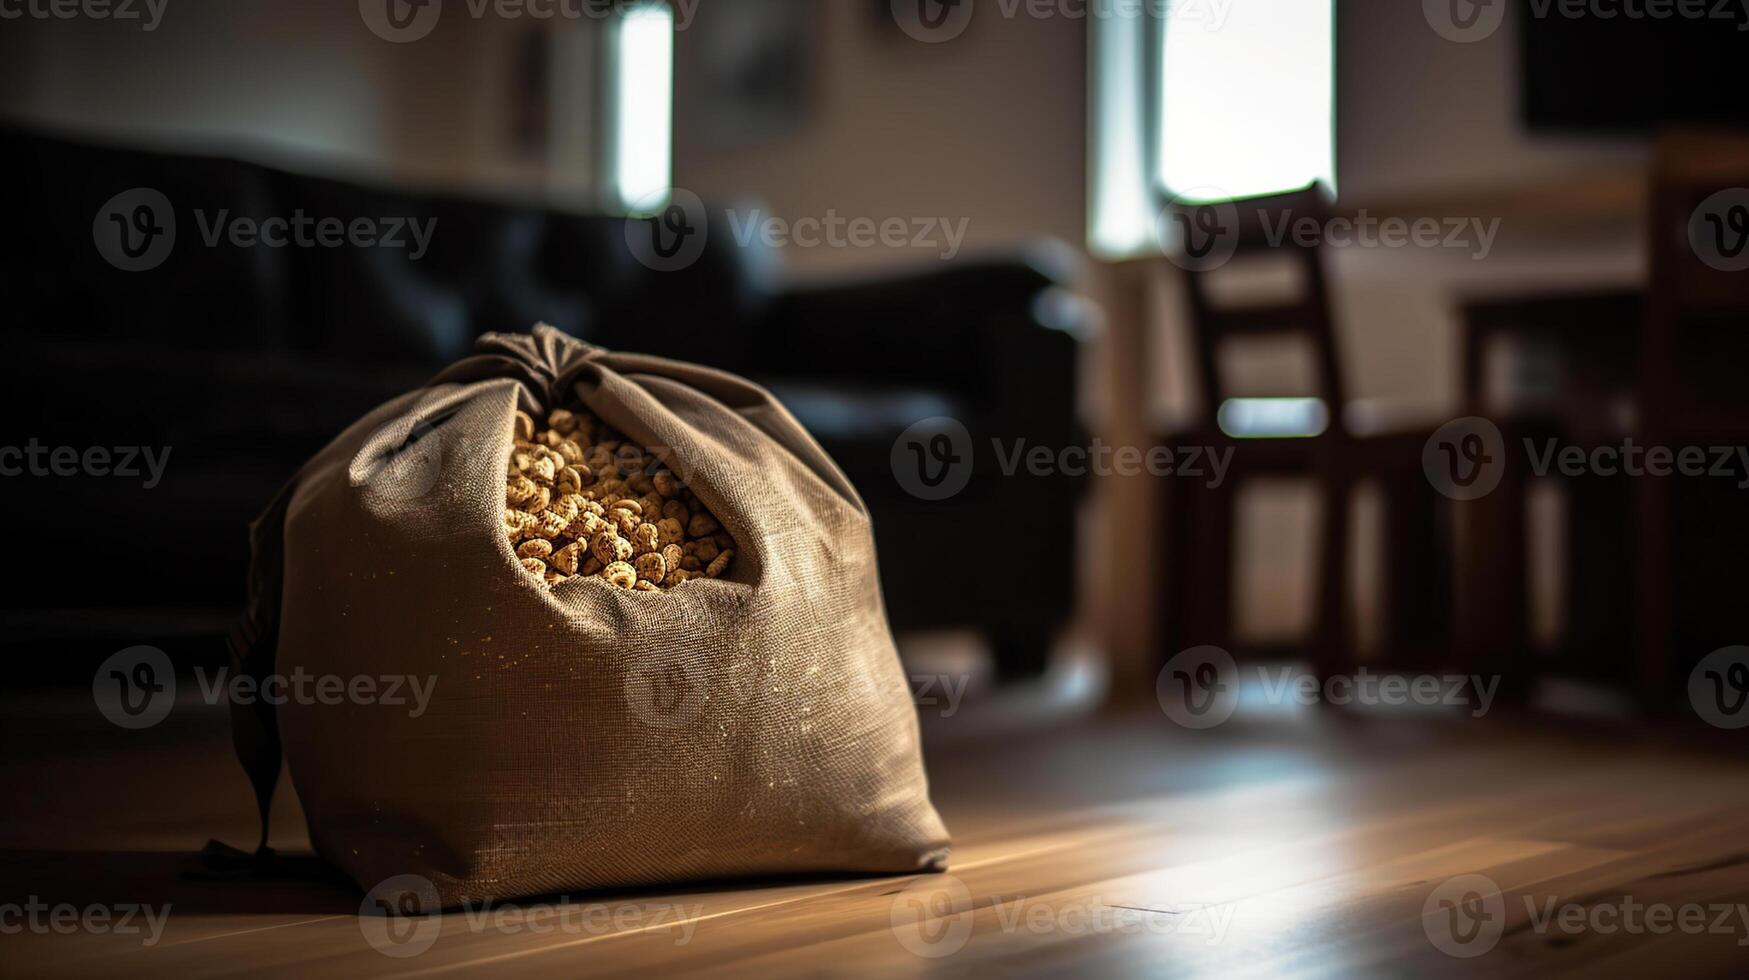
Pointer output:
x,y
1206,100
643,92
1247,109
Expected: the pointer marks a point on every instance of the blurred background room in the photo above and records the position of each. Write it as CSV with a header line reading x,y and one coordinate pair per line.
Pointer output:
x,y
1399,289
1015,154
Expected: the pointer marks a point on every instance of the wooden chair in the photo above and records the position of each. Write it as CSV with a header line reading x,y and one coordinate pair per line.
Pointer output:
x,y
1691,393
1198,523
1573,380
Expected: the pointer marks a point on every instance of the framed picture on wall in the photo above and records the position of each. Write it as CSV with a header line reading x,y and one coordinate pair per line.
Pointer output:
x,y
750,70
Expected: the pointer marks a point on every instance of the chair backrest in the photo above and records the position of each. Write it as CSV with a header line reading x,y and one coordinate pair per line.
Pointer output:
x,y
1691,355
1575,357
1289,225
1698,296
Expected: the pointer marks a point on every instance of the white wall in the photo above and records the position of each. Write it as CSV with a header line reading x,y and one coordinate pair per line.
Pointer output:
x,y
1418,113
987,127
283,82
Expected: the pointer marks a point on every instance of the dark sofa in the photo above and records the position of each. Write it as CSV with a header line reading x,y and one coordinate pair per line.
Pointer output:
x,y
243,361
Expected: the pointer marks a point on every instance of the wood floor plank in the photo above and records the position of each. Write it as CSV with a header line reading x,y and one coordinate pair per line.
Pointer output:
x,y
1120,847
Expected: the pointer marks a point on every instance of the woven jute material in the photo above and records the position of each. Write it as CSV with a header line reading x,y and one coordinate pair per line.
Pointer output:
x,y
581,736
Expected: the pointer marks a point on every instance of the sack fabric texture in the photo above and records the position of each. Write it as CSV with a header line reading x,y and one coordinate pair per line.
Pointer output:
x,y
579,736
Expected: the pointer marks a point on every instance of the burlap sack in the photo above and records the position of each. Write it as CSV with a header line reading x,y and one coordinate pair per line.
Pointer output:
x,y
581,736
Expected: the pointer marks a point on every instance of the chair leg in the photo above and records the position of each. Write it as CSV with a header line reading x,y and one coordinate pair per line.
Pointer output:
x,y
1416,580
1197,532
1653,592
1330,646
1494,620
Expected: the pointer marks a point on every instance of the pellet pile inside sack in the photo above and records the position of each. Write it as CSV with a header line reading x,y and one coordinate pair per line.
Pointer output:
x,y
582,500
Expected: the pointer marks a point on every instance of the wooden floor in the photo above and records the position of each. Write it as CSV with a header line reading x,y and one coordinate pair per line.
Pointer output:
x,y
1116,846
